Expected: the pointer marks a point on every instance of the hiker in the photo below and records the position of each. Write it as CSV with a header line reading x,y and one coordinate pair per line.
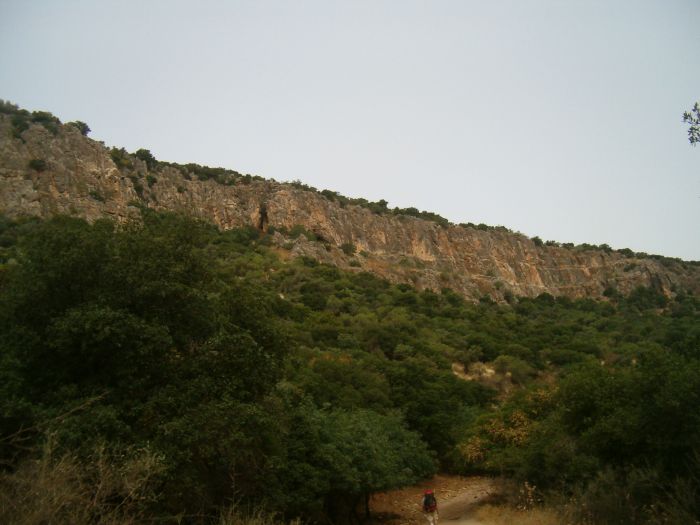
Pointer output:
x,y
430,507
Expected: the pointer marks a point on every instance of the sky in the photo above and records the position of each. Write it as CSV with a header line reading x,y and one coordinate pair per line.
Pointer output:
x,y
558,119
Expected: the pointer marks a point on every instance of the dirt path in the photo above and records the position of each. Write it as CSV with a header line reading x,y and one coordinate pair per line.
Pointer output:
x,y
457,510
457,498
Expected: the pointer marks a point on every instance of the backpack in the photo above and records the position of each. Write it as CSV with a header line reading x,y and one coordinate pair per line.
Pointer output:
x,y
429,503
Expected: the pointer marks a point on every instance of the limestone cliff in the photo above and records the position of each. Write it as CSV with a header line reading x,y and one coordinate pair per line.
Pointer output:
x,y
75,175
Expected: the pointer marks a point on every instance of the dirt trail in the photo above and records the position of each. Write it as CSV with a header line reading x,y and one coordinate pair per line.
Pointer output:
x,y
457,510
457,499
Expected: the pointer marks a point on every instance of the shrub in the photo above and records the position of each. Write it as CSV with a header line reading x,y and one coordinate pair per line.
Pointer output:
x,y
138,183
561,357
611,292
151,180
20,124
519,370
380,207
616,498
120,157
220,175
80,126
296,183
8,108
645,298
147,157
63,488
348,248
236,516
47,120
298,230
97,195
38,165
413,212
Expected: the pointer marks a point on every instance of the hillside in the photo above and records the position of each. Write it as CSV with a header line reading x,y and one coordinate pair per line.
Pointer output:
x,y
164,368
48,168
170,367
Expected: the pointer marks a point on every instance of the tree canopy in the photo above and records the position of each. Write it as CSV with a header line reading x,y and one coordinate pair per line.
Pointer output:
x,y
293,385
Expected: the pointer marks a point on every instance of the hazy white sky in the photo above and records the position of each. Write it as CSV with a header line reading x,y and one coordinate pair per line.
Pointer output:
x,y
554,118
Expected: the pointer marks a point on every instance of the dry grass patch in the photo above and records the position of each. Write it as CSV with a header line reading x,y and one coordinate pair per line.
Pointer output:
x,y
61,489
233,516
501,515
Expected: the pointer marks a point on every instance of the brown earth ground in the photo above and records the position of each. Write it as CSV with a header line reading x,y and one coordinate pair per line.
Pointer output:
x,y
462,501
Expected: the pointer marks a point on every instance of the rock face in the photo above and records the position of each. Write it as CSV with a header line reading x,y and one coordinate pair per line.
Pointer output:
x,y
78,177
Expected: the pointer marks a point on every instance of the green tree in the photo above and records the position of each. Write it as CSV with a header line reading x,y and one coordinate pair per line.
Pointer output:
x,y
692,118
337,458
133,320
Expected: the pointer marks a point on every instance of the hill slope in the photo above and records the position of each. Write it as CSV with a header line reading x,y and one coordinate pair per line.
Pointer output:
x,y
55,169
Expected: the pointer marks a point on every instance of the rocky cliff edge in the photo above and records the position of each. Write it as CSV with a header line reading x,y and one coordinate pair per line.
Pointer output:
x,y
44,172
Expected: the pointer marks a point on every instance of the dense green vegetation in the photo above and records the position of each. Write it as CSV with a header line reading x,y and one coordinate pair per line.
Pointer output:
x,y
145,340
620,432
224,373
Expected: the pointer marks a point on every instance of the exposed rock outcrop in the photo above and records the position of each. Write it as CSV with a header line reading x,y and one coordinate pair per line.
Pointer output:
x,y
80,178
